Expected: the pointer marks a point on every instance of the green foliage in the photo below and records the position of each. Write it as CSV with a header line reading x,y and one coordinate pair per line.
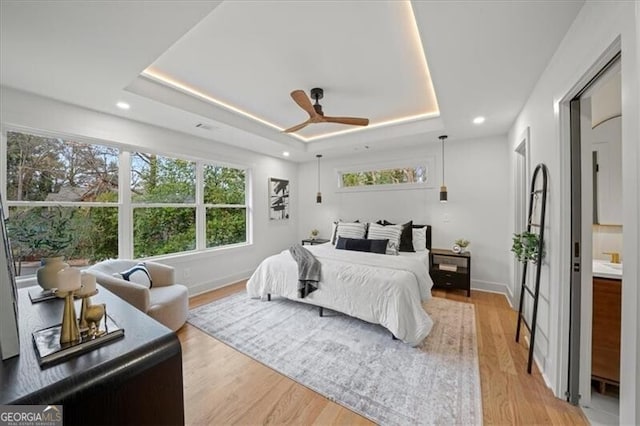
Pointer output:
x,y
383,177
102,232
462,242
162,230
162,179
224,185
41,231
525,247
226,226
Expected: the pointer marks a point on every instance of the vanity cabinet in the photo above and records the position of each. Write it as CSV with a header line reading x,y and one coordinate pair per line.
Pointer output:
x,y
605,348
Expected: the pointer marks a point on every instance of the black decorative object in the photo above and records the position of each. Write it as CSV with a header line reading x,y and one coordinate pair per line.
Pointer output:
x,y
535,222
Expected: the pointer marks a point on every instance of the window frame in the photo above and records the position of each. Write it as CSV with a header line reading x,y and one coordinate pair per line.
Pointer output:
x,y
125,205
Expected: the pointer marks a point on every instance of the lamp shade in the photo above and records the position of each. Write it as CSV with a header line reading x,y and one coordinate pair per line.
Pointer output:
x,y
443,194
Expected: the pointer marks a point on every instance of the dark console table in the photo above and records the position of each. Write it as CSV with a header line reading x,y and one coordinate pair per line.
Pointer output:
x,y
135,380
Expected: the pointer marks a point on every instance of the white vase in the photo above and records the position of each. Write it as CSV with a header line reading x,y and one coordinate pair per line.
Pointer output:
x,y
48,274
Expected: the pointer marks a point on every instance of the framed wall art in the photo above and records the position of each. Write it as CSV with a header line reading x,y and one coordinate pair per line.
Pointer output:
x,y
278,199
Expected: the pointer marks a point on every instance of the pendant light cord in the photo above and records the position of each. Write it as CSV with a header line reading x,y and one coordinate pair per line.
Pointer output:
x,y
319,156
318,174
442,160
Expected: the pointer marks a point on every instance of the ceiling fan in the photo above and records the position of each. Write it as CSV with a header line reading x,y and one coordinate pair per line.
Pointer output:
x,y
316,115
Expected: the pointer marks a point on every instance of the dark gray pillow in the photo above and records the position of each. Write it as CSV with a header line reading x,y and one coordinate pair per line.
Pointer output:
x,y
362,244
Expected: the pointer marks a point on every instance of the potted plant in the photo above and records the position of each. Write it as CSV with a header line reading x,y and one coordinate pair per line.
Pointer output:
x,y
43,232
462,243
525,247
314,234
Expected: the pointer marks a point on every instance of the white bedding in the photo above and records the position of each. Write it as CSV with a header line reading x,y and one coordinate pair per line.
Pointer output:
x,y
380,289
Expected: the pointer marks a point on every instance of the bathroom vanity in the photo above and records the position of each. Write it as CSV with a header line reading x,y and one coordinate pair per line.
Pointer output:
x,y
605,351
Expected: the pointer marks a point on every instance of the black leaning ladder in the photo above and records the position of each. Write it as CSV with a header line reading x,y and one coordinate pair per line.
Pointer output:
x,y
539,225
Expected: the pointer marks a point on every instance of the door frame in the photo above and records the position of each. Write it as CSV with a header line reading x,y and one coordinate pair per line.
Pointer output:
x,y
522,174
565,352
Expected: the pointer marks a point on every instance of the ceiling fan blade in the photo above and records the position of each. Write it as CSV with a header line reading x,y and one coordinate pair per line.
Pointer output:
x,y
304,102
297,127
354,121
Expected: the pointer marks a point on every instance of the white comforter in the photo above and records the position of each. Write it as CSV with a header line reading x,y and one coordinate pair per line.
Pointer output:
x,y
380,289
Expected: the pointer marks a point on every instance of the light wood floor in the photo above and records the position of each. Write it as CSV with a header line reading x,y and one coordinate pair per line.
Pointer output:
x,y
223,386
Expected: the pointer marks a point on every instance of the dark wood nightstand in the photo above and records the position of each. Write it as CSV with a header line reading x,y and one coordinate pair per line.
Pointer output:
x,y
450,270
315,241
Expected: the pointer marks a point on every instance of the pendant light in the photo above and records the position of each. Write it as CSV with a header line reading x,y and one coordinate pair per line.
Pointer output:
x,y
319,194
443,188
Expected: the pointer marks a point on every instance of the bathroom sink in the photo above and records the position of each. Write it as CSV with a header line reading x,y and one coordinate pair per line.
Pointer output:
x,y
604,269
616,266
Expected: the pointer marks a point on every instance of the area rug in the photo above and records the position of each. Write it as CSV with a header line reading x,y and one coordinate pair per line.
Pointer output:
x,y
357,364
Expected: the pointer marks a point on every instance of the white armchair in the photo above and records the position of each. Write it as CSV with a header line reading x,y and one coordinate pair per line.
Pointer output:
x,y
166,301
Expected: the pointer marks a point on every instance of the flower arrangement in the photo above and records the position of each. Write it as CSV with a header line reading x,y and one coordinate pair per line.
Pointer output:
x,y
314,234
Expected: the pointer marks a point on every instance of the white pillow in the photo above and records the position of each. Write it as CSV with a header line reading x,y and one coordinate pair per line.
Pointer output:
x,y
137,274
420,238
351,230
334,228
390,232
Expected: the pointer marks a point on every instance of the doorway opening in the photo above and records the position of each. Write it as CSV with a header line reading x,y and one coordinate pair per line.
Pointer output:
x,y
596,244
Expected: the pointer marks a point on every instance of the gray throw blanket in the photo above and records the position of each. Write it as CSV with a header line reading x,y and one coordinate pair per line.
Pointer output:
x,y
308,270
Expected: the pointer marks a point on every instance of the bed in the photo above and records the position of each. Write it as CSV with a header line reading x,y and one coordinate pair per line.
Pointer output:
x,y
381,289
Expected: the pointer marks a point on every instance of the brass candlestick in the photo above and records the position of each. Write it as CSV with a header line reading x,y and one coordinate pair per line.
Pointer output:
x,y
70,332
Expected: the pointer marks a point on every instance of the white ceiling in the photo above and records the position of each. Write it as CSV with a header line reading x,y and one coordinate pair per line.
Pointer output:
x,y
484,59
366,56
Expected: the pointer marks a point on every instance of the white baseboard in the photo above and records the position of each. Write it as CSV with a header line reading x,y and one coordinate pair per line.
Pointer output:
x,y
203,287
510,296
489,286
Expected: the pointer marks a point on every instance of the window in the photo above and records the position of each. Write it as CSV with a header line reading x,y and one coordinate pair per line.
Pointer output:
x,y
163,200
225,203
62,197
398,175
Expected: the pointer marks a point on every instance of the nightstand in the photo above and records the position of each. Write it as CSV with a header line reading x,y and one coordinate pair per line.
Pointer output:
x,y
450,270
315,241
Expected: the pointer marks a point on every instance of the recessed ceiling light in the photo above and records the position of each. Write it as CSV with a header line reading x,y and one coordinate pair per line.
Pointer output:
x,y
123,105
478,120
286,153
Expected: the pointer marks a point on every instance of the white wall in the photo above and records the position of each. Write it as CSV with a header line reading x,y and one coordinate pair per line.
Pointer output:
x,y
199,271
595,29
477,181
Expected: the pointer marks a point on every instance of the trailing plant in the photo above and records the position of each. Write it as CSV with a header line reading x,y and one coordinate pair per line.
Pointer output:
x,y
525,247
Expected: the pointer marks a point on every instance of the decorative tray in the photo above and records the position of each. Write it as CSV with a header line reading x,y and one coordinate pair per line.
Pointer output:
x,y
50,351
